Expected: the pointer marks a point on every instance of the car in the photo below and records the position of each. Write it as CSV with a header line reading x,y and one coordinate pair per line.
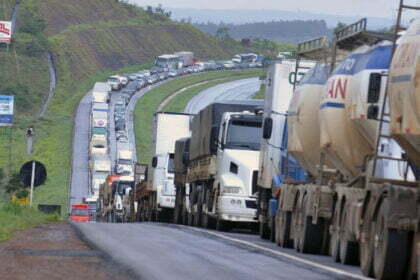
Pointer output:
x,y
132,77
119,103
162,76
172,73
155,70
141,83
122,137
120,125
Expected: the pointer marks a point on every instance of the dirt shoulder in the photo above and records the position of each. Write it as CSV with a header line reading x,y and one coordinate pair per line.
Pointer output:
x,y
55,251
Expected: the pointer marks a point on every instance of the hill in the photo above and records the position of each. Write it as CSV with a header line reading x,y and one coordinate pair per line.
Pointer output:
x,y
88,40
281,31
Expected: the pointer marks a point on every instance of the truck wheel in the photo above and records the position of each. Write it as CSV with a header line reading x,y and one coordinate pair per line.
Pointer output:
x,y
312,236
264,231
391,249
283,230
366,247
221,225
335,235
349,250
204,218
184,215
273,229
190,218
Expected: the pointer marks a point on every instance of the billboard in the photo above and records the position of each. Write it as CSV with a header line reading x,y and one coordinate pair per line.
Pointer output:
x,y
5,32
6,110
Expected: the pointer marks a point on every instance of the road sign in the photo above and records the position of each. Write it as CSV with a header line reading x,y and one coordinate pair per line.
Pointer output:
x,y
6,110
29,169
5,32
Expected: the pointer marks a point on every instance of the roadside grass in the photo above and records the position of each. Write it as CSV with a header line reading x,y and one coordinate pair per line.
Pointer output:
x,y
261,93
147,106
14,217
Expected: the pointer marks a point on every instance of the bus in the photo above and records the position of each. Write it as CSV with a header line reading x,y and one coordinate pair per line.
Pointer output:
x,y
169,61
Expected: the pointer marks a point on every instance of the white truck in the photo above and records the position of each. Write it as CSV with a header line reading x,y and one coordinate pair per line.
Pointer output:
x,y
100,93
186,58
98,145
124,164
100,169
156,195
222,166
117,82
99,119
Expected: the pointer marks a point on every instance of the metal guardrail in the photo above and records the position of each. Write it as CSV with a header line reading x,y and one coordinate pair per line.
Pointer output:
x,y
351,30
313,45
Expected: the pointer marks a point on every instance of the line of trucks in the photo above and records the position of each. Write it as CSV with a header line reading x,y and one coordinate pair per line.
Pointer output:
x,y
327,164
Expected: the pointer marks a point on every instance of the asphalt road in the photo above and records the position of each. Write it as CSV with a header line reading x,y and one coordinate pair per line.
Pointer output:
x,y
164,251
236,90
80,171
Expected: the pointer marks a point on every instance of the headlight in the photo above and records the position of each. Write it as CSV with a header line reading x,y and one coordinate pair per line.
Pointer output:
x,y
235,190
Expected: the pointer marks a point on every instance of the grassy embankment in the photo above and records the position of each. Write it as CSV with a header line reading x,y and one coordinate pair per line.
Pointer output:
x,y
14,217
148,105
118,38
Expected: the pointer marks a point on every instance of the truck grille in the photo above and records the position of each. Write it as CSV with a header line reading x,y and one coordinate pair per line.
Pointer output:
x,y
254,181
251,204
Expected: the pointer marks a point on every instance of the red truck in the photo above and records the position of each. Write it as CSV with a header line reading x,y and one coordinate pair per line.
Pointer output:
x,y
79,212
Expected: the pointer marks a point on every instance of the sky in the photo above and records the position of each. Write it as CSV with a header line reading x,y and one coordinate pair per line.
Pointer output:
x,y
371,8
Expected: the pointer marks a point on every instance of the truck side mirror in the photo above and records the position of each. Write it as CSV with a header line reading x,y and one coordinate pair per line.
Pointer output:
x,y
154,162
185,158
267,128
374,87
373,112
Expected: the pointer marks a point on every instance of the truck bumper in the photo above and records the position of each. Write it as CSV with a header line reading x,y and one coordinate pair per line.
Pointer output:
x,y
167,201
237,209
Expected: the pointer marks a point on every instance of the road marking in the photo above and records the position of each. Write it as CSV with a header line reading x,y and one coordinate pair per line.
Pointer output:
x,y
285,255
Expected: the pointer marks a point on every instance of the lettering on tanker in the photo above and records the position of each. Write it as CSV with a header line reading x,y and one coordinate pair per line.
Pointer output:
x,y
337,88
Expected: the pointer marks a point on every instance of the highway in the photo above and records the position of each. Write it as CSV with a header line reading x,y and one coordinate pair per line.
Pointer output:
x,y
167,251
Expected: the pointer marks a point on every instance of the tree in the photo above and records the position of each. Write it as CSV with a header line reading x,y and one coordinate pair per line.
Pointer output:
x,y
340,25
222,33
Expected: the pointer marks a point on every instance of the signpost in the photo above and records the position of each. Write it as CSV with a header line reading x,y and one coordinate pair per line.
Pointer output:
x,y
6,110
6,32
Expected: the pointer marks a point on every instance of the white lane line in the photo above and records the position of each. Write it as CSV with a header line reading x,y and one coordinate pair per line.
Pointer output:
x,y
285,255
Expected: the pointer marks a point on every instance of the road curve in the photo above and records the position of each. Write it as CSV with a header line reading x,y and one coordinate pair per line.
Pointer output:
x,y
236,90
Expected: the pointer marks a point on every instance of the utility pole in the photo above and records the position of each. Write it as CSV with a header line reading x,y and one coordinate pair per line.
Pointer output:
x,y
30,135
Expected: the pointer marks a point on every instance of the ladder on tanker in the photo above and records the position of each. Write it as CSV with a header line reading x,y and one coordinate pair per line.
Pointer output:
x,y
384,118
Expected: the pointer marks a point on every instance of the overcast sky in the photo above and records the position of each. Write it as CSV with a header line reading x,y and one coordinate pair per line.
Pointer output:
x,y
371,8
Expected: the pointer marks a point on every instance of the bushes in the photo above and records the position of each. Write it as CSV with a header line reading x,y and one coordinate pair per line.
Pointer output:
x,y
15,217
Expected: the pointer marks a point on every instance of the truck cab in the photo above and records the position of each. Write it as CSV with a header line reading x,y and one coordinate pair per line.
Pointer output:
x,y
98,145
79,213
121,189
164,178
238,147
124,165
114,82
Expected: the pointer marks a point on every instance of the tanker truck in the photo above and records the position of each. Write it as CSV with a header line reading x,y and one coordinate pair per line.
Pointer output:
x,y
275,165
220,176
359,207
156,196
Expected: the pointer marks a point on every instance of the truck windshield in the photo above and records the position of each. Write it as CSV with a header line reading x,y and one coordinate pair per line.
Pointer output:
x,y
171,163
122,186
113,80
124,161
244,134
80,212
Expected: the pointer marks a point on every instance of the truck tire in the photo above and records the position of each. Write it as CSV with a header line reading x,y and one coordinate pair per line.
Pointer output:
x,y
190,218
222,225
273,229
366,247
283,230
392,251
349,250
335,235
264,231
311,236
184,214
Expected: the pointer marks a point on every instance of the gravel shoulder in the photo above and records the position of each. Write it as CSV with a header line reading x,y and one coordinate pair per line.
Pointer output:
x,y
56,251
